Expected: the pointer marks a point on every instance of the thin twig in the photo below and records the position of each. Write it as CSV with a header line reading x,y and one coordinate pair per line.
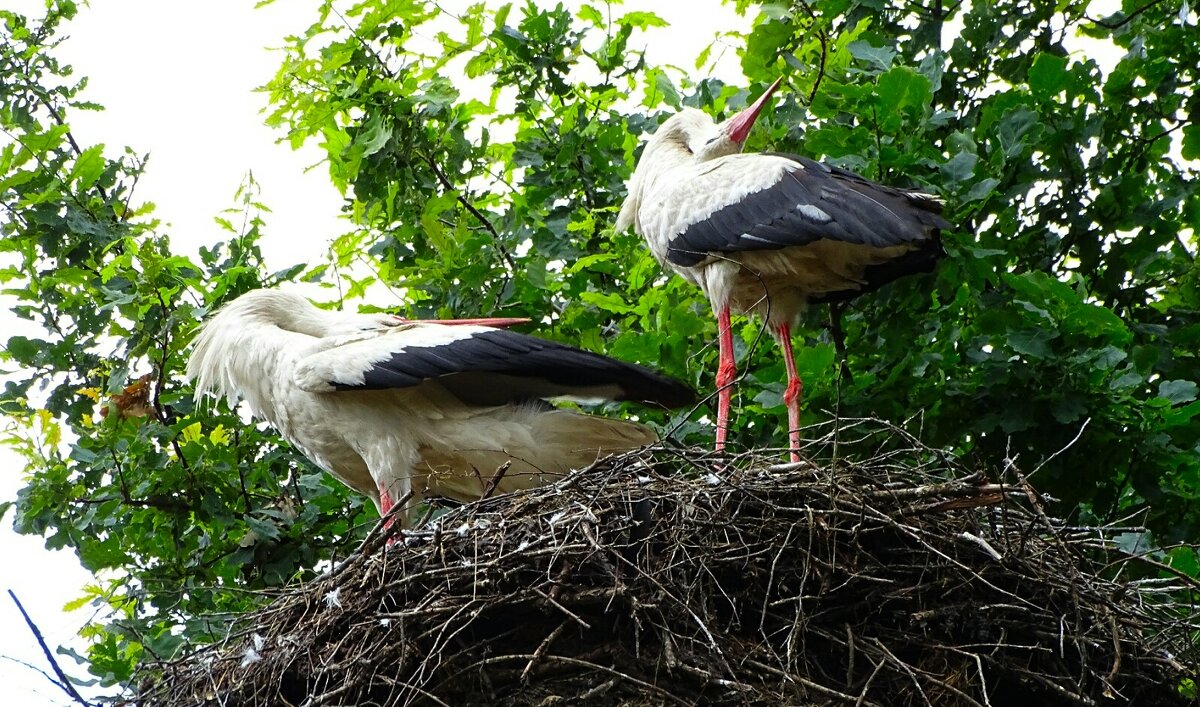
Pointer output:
x,y
63,682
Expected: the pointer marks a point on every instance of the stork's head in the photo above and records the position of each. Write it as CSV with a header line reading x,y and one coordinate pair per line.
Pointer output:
x,y
694,132
689,136
230,350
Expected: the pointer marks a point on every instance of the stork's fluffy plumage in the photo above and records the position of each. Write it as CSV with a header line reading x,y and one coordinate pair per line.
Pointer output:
x,y
769,233
389,406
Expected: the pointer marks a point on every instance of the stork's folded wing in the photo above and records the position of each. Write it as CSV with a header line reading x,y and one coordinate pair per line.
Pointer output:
x,y
772,201
483,366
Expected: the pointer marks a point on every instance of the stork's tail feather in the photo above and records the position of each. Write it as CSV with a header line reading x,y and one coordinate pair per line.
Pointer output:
x,y
565,441
589,437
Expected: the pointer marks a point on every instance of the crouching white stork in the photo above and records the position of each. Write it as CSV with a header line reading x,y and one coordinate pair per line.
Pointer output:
x,y
399,409
769,233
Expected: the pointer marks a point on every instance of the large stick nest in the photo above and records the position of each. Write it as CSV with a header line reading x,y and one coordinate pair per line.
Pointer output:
x,y
668,577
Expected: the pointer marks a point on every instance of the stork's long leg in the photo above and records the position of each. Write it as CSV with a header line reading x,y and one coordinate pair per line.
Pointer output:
x,y
386,503
726,372
794,392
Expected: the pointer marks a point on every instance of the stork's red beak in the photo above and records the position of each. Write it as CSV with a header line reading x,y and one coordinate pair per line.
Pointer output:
x,y
739,125
498,322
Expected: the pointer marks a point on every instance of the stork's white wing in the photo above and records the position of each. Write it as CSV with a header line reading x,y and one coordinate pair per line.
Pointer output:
x,y
482,365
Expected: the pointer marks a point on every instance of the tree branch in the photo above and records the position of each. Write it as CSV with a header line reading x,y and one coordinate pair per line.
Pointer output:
x,y
836,309
63,681
510,265
1128,18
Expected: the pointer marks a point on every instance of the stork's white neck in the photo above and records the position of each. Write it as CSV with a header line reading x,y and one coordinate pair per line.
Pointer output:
x,y
686,138
241,349
279,309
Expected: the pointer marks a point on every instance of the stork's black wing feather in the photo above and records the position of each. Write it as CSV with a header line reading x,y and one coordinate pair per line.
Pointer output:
x,y
813,201
919,260
494,366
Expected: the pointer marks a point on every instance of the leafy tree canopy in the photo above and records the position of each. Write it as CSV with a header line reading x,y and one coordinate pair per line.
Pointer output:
x,y
482,152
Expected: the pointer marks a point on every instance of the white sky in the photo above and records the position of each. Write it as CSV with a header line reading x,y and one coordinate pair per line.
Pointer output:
x,y
177,80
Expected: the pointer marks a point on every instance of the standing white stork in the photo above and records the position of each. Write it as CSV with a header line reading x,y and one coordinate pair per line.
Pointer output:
x,y
769,233
392,407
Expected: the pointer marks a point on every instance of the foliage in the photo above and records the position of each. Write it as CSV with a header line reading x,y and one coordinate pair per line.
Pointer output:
x,y
483,155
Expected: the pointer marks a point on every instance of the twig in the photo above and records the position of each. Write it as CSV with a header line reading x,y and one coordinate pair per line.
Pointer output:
x,y
562,608
541,650
63,682
474,211
821,35
494,482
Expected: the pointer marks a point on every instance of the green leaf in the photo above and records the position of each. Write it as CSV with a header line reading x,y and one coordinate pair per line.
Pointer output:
x,y
981,189
264,529
88,167
878,57
902,94
1186,560
763,47
90,595
666,89
1191,142
960,167
24,350
815,362
590,14
1068,409
607,301
641,20
1097,321
1031,342
1047,75
1015,130
1108,357
1037,286
1177,391
82,454
374,136
1175,417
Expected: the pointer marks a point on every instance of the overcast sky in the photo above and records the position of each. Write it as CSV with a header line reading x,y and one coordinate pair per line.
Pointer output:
x,y
177,80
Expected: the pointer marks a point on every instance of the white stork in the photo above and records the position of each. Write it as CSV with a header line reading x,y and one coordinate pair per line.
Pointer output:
x,y
769,233
392,407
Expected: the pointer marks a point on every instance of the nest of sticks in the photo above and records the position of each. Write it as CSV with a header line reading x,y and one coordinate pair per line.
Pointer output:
x,y
893,576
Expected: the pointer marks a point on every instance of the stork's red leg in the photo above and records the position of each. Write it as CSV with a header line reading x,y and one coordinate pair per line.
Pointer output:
x,y
794,392
726,372
386,503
